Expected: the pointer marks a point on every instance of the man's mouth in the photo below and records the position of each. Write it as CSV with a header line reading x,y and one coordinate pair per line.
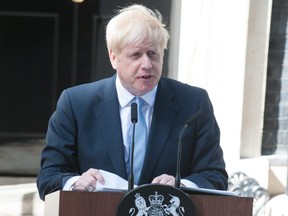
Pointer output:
x,y
145,77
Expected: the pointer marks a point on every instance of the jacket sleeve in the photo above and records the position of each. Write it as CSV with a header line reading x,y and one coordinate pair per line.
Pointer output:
x,y
207,165
59,157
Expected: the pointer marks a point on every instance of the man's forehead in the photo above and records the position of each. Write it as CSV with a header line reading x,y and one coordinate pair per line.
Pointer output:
x,y
141,46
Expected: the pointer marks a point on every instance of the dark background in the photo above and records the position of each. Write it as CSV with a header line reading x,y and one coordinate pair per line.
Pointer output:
x,y
47,46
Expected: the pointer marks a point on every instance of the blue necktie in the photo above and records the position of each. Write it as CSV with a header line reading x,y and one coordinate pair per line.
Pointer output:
x,y
140,141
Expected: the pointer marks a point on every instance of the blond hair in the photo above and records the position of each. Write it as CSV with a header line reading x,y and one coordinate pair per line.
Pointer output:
x,y
133,25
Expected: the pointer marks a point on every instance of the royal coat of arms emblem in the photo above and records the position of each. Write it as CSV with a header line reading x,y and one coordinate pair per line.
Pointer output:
x,y
156,200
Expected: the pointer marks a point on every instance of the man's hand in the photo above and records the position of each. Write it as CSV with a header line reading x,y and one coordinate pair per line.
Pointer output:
x,y
87,181
165,179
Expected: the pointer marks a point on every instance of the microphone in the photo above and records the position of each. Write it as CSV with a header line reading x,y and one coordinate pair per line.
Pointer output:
x,y
187,124
134,120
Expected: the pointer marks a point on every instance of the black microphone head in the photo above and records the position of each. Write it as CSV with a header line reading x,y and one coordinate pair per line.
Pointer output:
x,y
134,117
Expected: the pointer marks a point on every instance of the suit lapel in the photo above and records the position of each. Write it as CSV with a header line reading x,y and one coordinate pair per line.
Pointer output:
x,y
108,118
165,110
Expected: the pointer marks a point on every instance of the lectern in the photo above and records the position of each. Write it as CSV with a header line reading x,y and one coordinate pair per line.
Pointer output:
x,y
78,203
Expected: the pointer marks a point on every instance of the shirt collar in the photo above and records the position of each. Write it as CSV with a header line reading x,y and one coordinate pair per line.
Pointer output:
x,y
125,96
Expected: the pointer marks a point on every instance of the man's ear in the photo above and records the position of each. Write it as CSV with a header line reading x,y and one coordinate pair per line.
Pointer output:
x,y
112,58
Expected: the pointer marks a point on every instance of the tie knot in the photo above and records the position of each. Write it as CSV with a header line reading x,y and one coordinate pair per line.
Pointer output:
x,y
140,102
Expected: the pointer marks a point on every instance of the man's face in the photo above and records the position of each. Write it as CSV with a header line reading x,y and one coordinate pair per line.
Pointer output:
x,y
139,66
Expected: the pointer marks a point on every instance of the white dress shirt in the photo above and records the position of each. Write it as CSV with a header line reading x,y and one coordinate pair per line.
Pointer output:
x,y
125,99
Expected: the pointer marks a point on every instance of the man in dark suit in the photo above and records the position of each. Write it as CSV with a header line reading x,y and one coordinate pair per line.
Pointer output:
x,y
91,127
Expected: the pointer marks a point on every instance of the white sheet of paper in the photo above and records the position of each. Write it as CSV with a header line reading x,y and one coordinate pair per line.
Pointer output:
x,y
112,182
207,191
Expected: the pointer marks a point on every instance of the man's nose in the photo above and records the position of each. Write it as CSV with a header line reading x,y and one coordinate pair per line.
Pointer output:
x,y
146,62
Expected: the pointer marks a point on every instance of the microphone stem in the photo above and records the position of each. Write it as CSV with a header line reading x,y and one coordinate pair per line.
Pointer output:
x,y
131,175
178,173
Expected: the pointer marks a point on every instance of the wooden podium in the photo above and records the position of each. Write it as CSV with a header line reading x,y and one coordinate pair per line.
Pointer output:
x,y
77,203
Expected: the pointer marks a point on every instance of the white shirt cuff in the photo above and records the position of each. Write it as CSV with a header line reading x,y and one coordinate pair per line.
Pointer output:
x,y
188,183
70,182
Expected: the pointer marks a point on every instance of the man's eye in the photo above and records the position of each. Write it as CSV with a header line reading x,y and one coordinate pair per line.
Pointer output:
x,y
136,54
152,53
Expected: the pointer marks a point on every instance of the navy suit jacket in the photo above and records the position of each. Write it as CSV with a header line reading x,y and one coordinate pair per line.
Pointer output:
x,y
85,132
